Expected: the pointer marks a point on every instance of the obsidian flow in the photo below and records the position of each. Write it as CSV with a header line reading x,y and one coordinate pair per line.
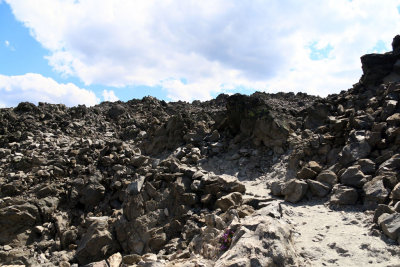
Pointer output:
x,y
150,182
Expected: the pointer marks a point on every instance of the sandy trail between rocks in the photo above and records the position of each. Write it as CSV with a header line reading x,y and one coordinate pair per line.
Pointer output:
x,y
326,237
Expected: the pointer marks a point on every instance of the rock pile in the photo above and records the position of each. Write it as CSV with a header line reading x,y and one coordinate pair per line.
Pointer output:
x,y
151,183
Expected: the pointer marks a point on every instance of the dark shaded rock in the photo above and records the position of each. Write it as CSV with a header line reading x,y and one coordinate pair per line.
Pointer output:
x,y
396,44
395,194
276,188
353,176
317,115
328,177
116,111
252,116
15,220
92,194
306,173
381,209
376,66
135,187
97,243
354,151
375,192
318,189
367,166
390,224
343,195
226,183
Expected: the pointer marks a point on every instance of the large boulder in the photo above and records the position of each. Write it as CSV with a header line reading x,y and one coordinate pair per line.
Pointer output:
x,y
327,177
390,224
375,192
344,195
97,243
294,190
260,241
17,217
354,151
319,189
253,116
230,200
353,176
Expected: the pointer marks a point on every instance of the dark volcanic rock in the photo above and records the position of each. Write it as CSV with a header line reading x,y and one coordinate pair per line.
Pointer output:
x,y
146,181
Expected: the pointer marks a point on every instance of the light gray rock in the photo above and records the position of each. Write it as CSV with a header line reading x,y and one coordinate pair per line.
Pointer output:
x,y
294,190
230,200
276,188
135,187
260,241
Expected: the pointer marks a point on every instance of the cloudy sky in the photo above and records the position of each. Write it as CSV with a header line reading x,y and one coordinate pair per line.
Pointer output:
x,y
88,51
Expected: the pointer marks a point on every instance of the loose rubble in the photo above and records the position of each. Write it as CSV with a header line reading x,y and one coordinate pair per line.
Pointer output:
x,y
151,183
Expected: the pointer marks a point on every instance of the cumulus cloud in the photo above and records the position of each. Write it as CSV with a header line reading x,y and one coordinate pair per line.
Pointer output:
x,y
7,43
109,95
213,45
35,88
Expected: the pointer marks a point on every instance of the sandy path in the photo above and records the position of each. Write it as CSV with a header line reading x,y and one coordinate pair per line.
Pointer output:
x,y
326,237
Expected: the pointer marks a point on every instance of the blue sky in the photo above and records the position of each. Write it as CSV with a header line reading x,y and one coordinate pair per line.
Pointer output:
x,y
85,52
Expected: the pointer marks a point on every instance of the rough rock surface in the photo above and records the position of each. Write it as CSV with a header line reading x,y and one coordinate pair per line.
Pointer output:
x,y
152,183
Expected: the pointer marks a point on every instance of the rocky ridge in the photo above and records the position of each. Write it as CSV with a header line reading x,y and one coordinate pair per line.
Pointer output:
x,y
151,183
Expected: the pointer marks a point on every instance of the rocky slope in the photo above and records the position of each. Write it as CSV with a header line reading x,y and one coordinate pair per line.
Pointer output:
x,y
213,183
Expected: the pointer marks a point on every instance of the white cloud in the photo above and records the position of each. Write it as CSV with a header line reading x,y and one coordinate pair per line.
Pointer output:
x,y
212,44
109,95
7,43
35,88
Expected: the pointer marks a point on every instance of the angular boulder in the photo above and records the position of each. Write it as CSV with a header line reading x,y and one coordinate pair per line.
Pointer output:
x,y
390,224
353,176
318,189
375,192
327,177
344,195
294,190
97,243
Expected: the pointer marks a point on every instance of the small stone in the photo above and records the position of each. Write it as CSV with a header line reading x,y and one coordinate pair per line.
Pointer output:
x,y
131,259
115,260
65,264
396,192
315,166
135,187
